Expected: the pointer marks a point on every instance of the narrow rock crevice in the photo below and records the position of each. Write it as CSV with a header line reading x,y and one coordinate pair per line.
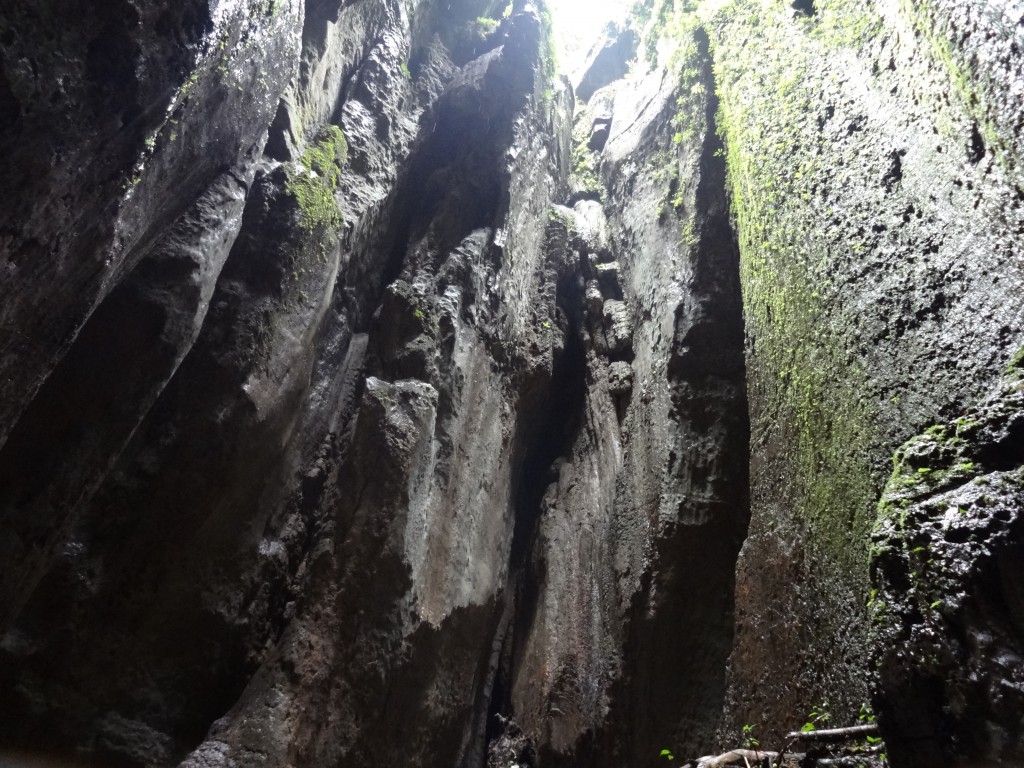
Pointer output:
x,y
680,626
548,433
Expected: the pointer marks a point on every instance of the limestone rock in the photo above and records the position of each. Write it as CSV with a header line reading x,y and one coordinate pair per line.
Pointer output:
x,y
516,432
620,378
618,326
608,60
592,229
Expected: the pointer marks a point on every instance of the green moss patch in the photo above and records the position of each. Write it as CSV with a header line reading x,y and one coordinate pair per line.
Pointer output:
x,y
807,392
584,170
312,185
1016,364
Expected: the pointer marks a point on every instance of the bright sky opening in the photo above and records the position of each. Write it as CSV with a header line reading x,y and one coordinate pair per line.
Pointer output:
x,y
578,24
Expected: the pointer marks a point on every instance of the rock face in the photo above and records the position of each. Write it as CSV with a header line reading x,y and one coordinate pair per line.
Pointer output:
x,y
364,401
245,486
948,613
608,60
644,510
881,295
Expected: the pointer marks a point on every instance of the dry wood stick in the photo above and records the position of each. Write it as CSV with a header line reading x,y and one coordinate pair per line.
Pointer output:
x,y
733,757
833,734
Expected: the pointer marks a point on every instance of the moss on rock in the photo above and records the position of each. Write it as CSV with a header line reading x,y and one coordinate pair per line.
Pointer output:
x,y
1016,364
815,474
945,570
807,388
313,181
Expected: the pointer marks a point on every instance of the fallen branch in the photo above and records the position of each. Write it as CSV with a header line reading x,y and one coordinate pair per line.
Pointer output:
x,y
833,734
734,757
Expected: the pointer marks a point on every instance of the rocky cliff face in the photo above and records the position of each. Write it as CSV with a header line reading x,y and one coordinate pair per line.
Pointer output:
x,y
880,233
367,396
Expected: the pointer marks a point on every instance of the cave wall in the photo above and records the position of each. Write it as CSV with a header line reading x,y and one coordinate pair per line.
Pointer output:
x,y
118,119
873,189
367,399
643,516
874,175
187,527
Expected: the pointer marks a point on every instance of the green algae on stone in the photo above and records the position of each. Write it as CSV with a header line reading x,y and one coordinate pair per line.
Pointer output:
x,y
584,170
926,464
548,65
1016,364
312,186
809,390
814,415
945,560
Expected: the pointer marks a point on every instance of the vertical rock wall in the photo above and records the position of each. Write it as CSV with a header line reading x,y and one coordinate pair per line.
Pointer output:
x,y
879,211
359,406
271,479
625,623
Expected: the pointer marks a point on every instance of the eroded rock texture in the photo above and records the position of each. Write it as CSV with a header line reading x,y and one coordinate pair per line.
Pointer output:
x,y
368,397
948,562
881,276
646,506
253,479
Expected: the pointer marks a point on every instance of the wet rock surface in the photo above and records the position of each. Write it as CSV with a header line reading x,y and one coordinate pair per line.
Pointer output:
x,y
318,317
874,307
947,565
365,400
644,507
117,122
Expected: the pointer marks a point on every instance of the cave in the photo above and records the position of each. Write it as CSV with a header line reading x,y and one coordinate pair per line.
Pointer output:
x,y
482,384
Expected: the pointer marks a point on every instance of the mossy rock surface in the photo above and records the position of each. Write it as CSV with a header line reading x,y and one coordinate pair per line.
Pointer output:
x,y
947,565
313,181
861,328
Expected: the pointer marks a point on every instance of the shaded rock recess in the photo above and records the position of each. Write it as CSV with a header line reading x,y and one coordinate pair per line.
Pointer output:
x,y
371,393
